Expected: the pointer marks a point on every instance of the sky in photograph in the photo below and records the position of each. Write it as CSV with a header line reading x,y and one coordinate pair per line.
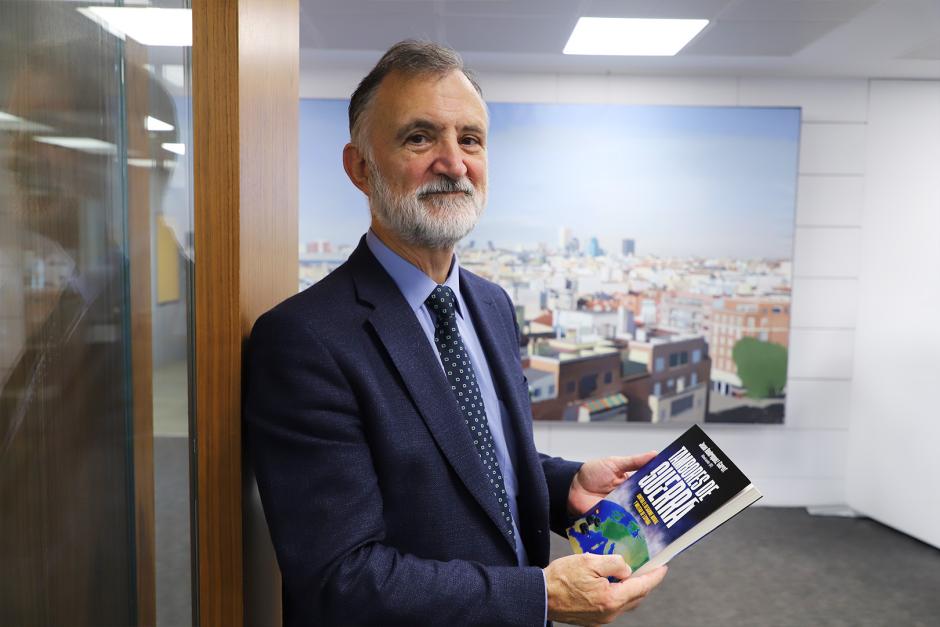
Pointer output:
x,y
680,181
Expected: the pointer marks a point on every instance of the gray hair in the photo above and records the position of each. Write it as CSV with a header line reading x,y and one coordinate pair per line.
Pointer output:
x,y
411,58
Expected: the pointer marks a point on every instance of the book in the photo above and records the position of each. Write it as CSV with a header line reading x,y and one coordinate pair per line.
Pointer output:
x,y
687,491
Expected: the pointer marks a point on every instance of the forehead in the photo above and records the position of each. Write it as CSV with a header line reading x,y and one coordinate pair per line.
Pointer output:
x,y
449,100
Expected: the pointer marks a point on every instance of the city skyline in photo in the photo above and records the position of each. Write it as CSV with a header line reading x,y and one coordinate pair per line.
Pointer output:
x,y
710,182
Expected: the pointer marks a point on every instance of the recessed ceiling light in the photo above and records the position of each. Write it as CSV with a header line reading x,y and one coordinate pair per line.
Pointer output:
x,y
150,26
179,149
632,36
84,144
154,124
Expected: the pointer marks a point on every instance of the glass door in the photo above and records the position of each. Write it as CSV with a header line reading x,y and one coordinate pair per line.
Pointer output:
x,y
96,264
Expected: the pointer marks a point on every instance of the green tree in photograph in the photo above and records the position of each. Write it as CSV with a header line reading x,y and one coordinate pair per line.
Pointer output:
x,y
762,367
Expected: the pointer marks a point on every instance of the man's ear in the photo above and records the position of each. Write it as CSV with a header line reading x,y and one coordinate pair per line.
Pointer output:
x,y
354,162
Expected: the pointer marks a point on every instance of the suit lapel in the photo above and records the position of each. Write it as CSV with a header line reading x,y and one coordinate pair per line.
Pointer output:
x,y
414,358
498,340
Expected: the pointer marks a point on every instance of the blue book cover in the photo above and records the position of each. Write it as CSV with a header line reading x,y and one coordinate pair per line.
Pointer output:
x,y
685,492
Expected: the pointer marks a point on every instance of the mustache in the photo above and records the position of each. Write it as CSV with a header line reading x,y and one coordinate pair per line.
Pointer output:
x,y
445,185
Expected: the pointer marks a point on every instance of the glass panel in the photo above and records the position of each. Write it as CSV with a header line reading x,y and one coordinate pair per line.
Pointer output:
x,y
95,320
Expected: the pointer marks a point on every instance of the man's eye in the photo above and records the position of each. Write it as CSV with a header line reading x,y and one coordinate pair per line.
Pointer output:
x,y
470,141
417,138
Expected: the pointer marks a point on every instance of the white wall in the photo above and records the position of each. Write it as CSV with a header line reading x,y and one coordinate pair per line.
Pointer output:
x,y
802,462
893,459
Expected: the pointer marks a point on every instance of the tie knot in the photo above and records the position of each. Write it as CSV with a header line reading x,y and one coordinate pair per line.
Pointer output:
x,y
442,303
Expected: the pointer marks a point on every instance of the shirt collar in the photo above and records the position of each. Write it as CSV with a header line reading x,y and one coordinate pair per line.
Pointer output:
x,y
414,284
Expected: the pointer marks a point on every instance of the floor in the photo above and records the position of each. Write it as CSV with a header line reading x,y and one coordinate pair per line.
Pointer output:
x,y
781,567
171,495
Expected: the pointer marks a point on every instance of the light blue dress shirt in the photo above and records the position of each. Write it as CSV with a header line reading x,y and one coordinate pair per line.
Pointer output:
x,y
416,286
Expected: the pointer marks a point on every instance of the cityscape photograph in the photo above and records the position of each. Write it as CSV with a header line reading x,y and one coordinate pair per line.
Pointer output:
x,y
648,251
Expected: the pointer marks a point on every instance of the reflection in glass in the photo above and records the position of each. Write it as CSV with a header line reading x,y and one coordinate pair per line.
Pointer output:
x,y
95,267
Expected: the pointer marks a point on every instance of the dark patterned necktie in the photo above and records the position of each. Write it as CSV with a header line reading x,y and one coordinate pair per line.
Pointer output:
x,y
463,382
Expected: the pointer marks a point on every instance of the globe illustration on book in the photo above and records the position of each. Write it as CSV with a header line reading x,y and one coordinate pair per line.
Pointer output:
x,y
607,529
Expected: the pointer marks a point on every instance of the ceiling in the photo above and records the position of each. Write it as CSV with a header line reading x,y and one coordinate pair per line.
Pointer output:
x,y
832,38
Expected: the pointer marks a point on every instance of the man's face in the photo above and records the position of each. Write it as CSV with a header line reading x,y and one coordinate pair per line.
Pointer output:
x,y
427,167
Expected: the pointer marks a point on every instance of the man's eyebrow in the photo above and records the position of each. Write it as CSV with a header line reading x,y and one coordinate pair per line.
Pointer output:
x,y
415,125
422,124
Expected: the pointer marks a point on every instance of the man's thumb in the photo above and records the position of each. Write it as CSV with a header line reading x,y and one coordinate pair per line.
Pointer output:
x,y
611,566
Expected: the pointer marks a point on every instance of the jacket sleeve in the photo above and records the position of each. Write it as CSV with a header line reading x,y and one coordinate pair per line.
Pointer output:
x,y
311,456
559,473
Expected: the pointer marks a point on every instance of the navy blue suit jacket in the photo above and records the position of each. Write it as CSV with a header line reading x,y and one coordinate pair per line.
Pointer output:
x,y
375,496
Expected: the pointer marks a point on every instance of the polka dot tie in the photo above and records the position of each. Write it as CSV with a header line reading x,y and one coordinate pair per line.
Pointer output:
x,y
463,382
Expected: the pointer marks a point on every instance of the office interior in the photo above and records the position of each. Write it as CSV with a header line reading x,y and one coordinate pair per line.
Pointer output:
x,y
97,180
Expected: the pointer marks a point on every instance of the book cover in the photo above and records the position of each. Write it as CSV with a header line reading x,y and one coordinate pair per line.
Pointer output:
x,y
687,490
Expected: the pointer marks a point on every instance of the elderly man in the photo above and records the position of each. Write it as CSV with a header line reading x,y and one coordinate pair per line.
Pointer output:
x,y
388,414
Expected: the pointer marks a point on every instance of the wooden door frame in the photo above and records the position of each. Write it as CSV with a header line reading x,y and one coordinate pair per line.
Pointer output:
x,y
245,77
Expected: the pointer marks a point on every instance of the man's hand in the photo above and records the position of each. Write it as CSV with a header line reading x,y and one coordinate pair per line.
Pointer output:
x,y
580,593
598,477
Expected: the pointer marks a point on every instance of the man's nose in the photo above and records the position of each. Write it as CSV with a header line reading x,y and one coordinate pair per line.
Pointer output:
x,y
449,160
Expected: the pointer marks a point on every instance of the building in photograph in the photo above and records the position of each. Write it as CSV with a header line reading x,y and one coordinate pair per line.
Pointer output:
x,y
766,319
666,379
580,372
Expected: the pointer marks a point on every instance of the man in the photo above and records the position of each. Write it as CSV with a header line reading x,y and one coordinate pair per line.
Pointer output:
x,y
388,415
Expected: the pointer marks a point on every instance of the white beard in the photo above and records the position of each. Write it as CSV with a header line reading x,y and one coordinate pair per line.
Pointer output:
x,y
427,218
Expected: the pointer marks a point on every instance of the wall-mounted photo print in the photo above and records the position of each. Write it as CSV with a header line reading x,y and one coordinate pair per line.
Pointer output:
x,y
648,251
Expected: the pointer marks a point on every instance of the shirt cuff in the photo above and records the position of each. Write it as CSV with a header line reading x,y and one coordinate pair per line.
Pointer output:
x,y
545,621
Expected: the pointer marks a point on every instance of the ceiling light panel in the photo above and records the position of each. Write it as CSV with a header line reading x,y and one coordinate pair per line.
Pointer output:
x,y
156,124
82,144
632,36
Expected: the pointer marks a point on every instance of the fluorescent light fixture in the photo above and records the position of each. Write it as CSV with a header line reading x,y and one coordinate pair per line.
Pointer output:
x,y
10,122
150,26
154,124
632,36
84,144
179,149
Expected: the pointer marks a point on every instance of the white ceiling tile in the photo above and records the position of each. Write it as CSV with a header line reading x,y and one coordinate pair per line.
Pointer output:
x,y
507,34
517,8
493,8
340,33
756,39
795,10
927,50
670,9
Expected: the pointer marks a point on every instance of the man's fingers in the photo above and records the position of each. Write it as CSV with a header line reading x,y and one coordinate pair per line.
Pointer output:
x,y
635,588
632,462
609,566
